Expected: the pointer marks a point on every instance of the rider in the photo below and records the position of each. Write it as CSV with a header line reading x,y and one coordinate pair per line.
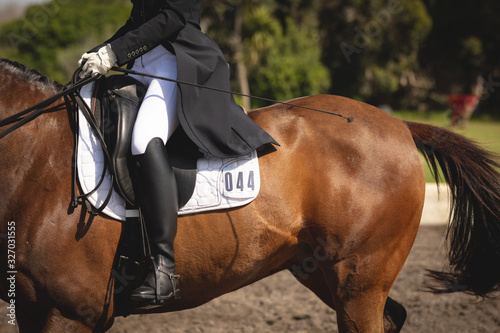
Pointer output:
x,y
163,38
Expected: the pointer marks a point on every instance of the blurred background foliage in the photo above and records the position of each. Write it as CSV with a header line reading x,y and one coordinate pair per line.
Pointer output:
x,y
408,54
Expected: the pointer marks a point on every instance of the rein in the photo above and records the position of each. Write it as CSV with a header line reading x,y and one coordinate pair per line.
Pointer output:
x,y
25,116
70,93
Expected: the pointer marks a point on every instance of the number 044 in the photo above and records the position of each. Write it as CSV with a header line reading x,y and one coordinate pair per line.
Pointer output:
x,y
242,183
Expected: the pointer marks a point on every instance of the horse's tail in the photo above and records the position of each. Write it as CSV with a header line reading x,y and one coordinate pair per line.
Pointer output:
x,y
474,225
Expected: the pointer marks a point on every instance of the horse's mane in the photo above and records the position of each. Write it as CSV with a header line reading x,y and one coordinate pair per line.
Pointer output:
x,y
31,76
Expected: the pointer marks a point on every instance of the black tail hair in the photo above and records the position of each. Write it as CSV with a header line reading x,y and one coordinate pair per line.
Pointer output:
x,y
474,224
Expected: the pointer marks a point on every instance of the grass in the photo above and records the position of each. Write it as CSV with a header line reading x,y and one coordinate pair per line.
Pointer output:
x,y
485,132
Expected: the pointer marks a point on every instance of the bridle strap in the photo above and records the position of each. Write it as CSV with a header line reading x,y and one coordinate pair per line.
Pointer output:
x,y
25,116
87,113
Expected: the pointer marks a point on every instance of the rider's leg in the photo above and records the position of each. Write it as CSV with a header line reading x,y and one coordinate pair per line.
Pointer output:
x,y
156,121
158,203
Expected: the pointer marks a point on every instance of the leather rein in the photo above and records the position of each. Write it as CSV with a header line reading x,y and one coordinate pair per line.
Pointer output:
x,y
73,100
19,119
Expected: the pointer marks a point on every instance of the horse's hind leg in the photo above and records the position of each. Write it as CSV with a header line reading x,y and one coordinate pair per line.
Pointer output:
x,y
359,302
313,279
307,272
394,316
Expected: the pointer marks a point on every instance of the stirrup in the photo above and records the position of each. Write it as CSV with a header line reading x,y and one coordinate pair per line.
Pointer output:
x,y
159,299
156,299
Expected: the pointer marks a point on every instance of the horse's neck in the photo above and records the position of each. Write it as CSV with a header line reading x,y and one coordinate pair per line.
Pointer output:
x,y
44,142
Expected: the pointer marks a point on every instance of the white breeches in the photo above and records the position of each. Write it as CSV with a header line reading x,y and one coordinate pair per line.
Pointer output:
x,y
157,115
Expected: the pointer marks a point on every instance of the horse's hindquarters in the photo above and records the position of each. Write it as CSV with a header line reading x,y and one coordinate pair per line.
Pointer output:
x,y
356,190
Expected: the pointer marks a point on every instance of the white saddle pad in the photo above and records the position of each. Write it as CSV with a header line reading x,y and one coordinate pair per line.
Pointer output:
x,y
220,183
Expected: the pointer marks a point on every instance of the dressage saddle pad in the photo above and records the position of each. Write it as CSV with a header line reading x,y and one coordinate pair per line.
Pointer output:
x,y
221,183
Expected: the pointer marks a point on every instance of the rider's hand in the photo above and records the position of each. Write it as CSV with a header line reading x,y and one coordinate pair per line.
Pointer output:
x,y
99,62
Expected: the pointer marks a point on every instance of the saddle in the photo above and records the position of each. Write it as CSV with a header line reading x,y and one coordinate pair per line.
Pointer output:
x,y
116,103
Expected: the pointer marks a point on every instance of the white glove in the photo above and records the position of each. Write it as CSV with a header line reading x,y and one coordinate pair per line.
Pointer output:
x,y
99,62
83,59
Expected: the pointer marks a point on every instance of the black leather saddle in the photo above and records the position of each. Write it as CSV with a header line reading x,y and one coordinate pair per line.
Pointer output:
x,y
116,101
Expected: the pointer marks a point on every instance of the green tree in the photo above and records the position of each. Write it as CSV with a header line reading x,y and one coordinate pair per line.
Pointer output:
x,y
285,59
463,49
371,48
408,53
52,36
282,56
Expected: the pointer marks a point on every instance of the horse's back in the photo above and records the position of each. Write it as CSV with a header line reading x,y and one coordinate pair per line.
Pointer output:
x,y
368,122
374,145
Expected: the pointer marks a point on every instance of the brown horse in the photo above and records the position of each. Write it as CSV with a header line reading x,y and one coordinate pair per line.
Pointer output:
x,y
340,205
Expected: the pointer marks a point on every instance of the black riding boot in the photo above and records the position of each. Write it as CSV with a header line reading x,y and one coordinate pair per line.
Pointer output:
x,y
158,203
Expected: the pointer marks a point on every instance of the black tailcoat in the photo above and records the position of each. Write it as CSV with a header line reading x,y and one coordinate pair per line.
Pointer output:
x,y
212,120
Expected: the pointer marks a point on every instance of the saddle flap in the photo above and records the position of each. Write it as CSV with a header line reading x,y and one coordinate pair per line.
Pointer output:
x,y
119,107
183,155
